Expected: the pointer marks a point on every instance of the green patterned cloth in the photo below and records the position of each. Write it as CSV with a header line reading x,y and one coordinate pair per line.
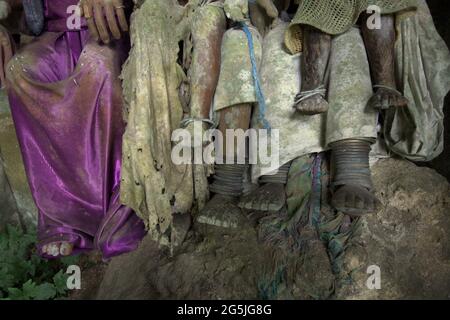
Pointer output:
x,y
337,16
307,223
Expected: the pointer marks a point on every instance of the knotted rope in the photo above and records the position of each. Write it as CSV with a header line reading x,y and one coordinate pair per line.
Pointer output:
x,y
310,93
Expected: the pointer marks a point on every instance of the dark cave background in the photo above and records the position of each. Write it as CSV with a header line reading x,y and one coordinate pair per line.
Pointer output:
x,y
440,10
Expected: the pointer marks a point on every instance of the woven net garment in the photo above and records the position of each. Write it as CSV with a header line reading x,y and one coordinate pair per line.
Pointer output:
x,y
337,16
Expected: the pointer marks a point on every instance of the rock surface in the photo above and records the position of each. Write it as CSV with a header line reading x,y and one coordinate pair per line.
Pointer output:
x,y
409,240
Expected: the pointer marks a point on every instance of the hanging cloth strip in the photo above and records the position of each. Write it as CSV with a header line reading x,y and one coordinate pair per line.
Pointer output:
x,y
259,92
315,200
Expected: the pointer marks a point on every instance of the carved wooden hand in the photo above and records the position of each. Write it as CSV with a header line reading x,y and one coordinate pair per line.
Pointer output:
x,y
105,18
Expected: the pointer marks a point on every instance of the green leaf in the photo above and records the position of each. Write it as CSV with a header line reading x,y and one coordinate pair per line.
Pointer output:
x,y
23,273
45,291
29,289
6,280
60,282
15,294
70,260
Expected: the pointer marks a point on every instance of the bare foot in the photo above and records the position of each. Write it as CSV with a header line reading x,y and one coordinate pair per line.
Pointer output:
x,y
269,197
56,249
313,105
385,98
355,200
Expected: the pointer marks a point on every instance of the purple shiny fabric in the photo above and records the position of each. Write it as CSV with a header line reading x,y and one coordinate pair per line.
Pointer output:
x,y
66,101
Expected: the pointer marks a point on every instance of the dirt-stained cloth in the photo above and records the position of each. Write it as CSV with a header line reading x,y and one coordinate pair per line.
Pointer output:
x,y
152,184
236,85
349,91
414,132
423,70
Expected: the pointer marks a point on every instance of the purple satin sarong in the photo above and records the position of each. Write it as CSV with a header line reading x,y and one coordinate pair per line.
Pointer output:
x,y
66,100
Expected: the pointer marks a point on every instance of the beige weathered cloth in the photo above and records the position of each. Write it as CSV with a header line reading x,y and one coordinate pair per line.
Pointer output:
x,y
280,77
5,9
152,184
236,85
155,188
423,69
350,89
236,10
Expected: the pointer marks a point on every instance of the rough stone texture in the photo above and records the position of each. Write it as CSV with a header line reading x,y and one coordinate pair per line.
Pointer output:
x,y
216,267
13,167
408,239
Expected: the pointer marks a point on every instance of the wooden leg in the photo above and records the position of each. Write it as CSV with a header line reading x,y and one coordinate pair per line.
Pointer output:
x,y
222,209
380,46
236,117
315,57
316,54
352,185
